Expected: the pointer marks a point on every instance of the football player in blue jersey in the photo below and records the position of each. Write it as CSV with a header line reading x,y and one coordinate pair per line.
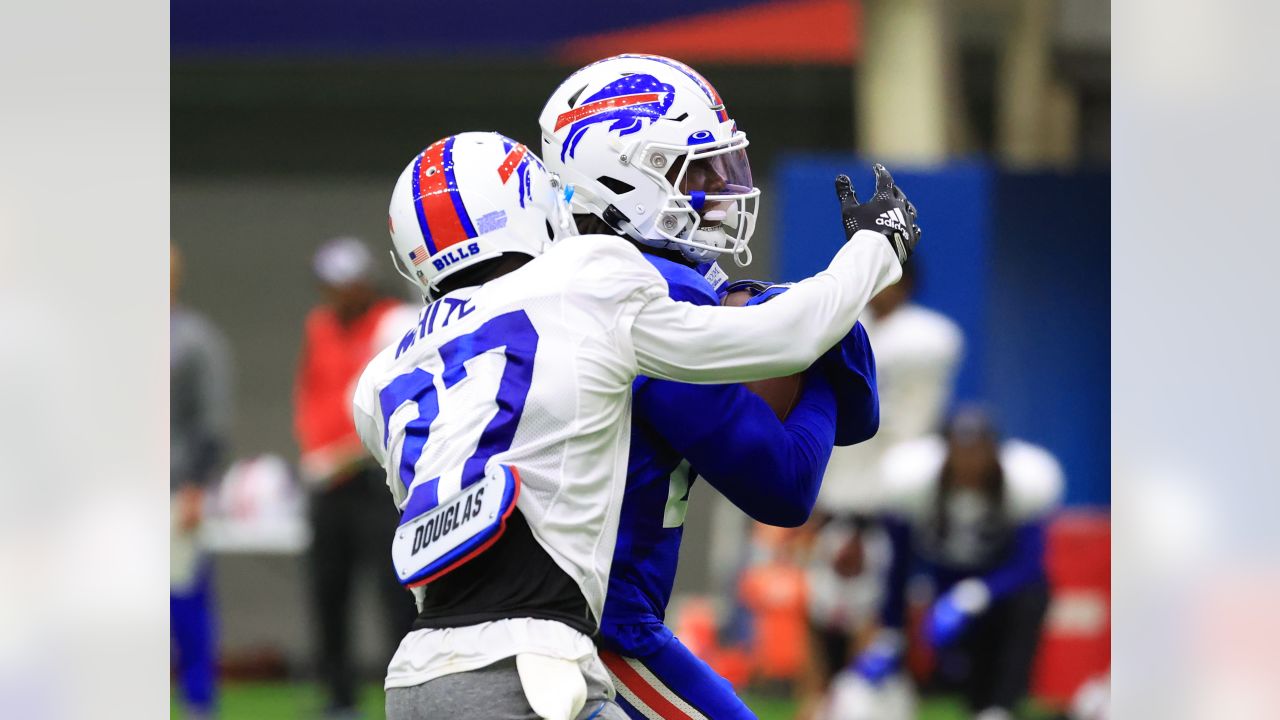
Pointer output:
x,y
650,154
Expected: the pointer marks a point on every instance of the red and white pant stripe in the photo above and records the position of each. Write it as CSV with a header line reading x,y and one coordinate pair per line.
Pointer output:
x,y
645,692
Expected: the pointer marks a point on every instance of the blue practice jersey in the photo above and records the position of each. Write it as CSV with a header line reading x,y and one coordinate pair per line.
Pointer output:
x,y
769,468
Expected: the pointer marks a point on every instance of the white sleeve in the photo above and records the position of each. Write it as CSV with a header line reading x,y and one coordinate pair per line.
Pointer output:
x,y
689,343
393,324
364,411
1033,480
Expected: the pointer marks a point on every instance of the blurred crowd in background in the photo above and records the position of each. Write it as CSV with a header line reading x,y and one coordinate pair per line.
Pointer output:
x,y
963,552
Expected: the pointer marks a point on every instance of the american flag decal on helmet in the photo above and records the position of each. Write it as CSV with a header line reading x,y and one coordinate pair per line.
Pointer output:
x,y
418,255
599,106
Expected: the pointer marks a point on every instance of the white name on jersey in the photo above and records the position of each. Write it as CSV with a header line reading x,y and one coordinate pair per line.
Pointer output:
x,y
441,539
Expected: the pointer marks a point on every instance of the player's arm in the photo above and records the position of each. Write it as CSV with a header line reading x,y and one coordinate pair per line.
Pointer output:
x,y
952,612
365,411
1024,565
1033,485
771,469
678,341
211,424
213,407
850,367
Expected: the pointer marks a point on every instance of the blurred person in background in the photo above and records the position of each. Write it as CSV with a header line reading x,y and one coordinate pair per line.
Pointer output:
x,y
969,513
917,354
199,425
351,521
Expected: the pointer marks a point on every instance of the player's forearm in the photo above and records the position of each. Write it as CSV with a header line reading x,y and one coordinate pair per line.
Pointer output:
x,y
851,368
859,415
1025,565
811,431
780,337
773,474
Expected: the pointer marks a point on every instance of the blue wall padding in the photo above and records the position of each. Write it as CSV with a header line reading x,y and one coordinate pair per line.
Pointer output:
x,y
1022,263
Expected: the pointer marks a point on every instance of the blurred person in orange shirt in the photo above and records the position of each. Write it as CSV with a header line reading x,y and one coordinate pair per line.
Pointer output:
x,y
352,523
199,425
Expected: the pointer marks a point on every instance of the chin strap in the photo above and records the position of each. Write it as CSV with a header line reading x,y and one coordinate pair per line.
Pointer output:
x,y
619,223
622,225
395,262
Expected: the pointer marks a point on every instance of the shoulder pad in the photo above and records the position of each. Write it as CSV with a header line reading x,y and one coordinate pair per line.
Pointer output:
x,y
909,474
683,282
1033,480
926,334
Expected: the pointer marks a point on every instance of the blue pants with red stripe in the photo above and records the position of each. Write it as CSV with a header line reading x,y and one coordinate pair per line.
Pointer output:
x,y
672,684
192,630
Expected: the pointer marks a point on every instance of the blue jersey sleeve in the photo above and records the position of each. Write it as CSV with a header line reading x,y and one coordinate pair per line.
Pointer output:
x,y
1025,563
769,468
684,284
851,368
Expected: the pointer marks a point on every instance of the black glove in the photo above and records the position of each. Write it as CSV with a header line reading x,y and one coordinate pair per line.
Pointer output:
x,y
888,212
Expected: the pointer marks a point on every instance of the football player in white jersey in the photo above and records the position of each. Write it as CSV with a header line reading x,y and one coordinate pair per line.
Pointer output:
x,y
969,512
502,417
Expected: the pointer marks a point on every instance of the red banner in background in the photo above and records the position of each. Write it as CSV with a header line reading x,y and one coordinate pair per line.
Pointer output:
x,y
1076,644
785,31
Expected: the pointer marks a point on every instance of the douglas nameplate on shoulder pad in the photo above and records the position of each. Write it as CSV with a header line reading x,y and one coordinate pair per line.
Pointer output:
x,y
457,529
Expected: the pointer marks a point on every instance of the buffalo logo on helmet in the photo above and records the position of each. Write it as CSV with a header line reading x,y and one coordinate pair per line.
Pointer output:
x,y
628,102
517,162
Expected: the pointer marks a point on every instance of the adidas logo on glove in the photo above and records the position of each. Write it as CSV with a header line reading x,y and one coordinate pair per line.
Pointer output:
x,y
894,219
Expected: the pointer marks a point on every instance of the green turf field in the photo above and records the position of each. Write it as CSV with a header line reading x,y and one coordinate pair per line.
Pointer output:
x,y
268,701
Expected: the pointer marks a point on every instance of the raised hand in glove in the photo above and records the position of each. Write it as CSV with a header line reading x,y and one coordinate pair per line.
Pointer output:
x,y
888,212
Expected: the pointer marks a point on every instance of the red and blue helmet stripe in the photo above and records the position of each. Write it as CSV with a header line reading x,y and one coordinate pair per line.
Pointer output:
x,y
442,214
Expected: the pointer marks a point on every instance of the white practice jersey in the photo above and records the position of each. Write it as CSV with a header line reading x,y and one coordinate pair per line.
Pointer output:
x,y
534,370
1032,476
917,352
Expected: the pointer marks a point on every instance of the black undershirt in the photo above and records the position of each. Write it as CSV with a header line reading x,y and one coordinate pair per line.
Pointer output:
x,y
514,578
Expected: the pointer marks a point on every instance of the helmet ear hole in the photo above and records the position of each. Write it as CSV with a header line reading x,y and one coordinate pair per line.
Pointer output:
x,y
617,186
551,233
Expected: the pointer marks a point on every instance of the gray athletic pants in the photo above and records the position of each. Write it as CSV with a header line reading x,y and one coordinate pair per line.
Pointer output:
x,y
493,692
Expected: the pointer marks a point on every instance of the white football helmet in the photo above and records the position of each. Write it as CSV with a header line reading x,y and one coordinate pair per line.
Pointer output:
x,y
646,145
469,198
